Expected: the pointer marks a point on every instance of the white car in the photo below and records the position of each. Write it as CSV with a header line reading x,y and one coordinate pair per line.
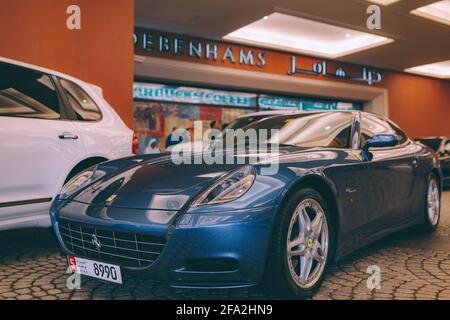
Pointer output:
x,y
52,126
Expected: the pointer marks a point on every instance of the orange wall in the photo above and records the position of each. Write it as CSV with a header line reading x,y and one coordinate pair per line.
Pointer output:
x,y
419,105
100,53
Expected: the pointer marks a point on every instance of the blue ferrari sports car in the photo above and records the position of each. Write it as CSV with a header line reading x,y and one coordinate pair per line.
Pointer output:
x,y
343,179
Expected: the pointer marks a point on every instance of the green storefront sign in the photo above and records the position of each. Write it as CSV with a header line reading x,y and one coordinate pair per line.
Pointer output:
x,y
158,92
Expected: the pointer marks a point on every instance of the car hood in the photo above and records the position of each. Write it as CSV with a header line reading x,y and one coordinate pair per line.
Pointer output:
x,y
157,183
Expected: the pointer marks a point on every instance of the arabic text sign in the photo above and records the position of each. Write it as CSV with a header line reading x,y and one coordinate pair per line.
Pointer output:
x,y
367,75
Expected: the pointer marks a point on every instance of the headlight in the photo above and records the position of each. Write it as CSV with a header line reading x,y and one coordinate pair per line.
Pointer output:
x,y
80,180
228,188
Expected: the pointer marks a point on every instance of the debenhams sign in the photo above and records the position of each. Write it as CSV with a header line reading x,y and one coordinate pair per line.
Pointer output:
x,y
156,42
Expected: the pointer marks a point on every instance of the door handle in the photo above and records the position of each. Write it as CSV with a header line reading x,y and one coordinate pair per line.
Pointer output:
x,y
68,135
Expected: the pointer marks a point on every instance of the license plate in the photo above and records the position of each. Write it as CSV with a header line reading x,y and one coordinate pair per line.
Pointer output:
x,y
95,269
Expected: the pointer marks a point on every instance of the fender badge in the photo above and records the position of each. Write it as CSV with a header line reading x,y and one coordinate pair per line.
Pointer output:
x,y
357,155
111,198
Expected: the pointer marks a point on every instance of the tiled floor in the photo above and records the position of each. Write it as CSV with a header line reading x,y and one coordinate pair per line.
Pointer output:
x,y
413,266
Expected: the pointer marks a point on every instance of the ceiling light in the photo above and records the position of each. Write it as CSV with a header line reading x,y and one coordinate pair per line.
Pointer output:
x,y
348,35
437,11
383,2
286,32
266,17
437,70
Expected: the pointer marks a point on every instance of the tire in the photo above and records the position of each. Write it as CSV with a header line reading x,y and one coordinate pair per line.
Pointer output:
x,y
284,276
432,205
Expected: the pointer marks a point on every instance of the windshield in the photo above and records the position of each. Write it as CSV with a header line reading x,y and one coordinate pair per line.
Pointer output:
x,y
326,129
244,121
433,143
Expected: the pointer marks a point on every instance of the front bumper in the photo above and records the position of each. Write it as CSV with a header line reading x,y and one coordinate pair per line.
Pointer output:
x,y
207,250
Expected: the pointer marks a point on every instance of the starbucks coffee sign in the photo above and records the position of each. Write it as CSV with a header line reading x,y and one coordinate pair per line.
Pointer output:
x,y
201,96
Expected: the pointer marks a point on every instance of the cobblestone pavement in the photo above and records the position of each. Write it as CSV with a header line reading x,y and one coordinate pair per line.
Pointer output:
x,y
413,266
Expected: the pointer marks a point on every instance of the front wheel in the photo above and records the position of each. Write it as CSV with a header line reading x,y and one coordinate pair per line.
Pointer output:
x,y
302,246
432,205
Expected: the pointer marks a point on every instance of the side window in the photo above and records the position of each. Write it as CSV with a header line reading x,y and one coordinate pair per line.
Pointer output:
x,y
372,125
83,105
26,93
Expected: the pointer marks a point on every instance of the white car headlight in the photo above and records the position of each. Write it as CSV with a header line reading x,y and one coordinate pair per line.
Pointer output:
x,y
80,180
228,188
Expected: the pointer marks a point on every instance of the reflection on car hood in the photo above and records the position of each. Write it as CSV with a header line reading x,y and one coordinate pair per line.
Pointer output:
x,y
153,184
158,183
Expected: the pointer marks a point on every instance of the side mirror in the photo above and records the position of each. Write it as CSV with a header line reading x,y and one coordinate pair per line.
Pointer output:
x,y
381,141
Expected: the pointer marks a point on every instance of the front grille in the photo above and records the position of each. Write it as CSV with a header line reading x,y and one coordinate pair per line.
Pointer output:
x,y
122,248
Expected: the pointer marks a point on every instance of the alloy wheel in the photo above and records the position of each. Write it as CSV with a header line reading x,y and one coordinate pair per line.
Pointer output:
x,y
433,202
307,243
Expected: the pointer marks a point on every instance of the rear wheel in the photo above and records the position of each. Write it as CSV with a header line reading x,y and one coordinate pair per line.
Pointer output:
x,y
302,247
432,205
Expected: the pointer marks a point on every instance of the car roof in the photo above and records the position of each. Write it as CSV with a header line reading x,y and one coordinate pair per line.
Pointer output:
x,y
269,113
432,137
97,89
287,112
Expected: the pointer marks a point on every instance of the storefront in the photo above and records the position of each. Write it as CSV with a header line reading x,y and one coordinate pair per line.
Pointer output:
x,y
159,108
179,79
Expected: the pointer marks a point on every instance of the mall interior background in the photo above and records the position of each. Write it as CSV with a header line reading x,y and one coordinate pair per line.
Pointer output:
x,y
103,52
170,97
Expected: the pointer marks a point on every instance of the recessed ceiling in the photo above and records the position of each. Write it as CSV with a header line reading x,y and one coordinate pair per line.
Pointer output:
x,y
437,69
383,2
282,31
417,42
437,11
